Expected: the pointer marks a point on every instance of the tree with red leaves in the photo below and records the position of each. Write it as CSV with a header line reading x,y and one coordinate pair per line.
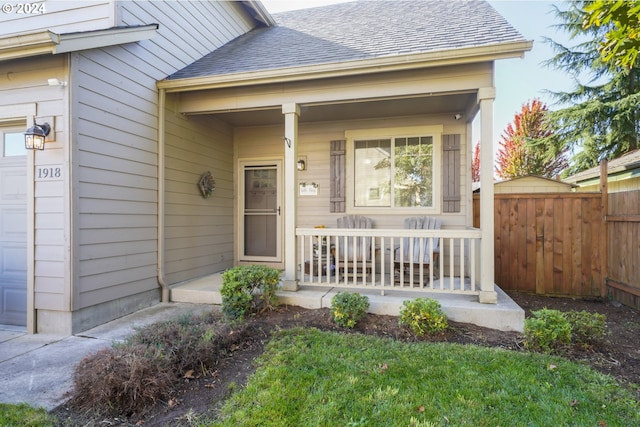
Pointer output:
x,y
524,148
475,164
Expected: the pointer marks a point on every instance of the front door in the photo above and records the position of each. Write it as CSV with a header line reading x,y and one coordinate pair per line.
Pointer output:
x,y
261,222
13,227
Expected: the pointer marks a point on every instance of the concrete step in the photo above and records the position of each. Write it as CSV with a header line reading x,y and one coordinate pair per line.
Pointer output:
x,y
506,315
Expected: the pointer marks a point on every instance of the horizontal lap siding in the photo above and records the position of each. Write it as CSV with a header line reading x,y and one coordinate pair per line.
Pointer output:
x,y
116,156
199,231
27,84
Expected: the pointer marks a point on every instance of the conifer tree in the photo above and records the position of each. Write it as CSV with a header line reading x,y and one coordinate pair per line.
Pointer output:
x,y
600,117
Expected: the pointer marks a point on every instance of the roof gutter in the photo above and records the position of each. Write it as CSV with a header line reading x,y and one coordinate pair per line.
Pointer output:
x,y
465,55
48,42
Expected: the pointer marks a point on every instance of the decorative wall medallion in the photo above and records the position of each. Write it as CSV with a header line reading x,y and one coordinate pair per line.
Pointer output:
x,y
207,184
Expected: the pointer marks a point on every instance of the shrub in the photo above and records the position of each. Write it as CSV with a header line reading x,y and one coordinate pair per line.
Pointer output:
x,y
423,316
347,309
248,290
547,331
131,376
586,328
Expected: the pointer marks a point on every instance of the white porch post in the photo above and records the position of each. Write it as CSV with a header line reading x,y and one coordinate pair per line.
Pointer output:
x,y
291,113
488,295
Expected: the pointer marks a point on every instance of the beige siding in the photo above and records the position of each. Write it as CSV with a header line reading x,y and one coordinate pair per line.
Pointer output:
x,y
60,16
531,185
314,143
406,83
27,83
614,186
199,231
116,156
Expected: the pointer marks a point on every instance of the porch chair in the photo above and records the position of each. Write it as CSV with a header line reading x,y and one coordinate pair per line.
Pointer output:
x,y
403,266
354,251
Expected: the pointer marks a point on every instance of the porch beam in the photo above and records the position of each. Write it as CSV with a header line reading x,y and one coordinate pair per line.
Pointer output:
x,y
439,82
291,114
488,294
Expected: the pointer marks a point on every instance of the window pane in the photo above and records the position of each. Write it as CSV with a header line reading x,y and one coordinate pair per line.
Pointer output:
x,y
372,173
413,173
14,144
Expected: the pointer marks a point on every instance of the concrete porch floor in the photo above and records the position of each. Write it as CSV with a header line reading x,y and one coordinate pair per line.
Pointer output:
x,y
506,315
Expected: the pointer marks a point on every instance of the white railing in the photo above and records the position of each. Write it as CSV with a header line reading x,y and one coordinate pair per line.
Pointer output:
x,y
370,258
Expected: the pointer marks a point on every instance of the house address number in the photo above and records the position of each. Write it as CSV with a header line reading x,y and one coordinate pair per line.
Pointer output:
x,y
48,173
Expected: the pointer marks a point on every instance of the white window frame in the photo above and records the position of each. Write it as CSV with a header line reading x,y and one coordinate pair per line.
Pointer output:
x,y
434,131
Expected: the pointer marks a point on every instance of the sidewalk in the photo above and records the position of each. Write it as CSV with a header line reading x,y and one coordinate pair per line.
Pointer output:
x,y
38,369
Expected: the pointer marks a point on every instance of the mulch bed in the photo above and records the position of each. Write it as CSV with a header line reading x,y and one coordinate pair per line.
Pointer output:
x,y
618,355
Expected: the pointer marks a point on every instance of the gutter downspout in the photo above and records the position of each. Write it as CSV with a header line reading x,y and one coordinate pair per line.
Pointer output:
x,y
161,158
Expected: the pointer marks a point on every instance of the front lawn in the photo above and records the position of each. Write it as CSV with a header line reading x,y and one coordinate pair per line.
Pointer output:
x,y
312,378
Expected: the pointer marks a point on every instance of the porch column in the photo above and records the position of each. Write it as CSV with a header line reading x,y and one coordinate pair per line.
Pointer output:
x,y
488,295
291,113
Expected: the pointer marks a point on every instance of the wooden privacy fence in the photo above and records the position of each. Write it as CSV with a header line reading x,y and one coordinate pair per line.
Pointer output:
x,y
549,243
623,229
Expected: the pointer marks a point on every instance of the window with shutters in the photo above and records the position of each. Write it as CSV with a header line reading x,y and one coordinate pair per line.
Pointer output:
x,y
395,169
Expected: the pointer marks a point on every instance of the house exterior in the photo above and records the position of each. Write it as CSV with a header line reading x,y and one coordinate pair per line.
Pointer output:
x,y
623,174
79,219
180,131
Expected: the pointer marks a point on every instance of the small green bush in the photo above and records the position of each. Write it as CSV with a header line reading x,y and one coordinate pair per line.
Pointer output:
x,y
423,316
348,309
586,328
249,290
547,331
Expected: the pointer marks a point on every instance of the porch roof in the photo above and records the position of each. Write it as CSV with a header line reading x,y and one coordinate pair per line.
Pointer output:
x,y
364,31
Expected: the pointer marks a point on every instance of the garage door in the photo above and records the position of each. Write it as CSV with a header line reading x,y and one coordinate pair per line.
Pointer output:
x,y
13,227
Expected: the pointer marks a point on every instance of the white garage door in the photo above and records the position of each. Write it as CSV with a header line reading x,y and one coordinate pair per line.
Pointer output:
x,y
13,227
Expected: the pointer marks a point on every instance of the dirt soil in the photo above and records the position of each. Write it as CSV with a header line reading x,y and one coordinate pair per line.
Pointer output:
x,y
618,355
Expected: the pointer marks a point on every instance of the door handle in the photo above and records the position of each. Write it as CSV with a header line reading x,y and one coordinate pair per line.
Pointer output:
x,y
278,210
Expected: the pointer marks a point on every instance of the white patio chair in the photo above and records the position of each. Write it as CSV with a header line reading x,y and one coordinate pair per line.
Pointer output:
x,y
354,252
411,253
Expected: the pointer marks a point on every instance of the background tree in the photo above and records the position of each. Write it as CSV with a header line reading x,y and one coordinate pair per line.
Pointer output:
x,y
475,163
525,144
621,18
601,117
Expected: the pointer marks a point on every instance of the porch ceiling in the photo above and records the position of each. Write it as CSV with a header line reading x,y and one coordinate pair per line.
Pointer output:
x,y
464,103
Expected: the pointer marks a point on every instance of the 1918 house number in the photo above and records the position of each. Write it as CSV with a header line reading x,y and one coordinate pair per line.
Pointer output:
x,y
48,172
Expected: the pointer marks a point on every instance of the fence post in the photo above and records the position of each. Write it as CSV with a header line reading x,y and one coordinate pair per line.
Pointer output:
x,y
604,209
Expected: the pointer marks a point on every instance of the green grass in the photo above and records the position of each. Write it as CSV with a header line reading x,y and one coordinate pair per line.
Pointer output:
x,y
312,378
25,416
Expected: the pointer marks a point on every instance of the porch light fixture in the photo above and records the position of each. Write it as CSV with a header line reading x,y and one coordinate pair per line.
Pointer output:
x,y
302,163
34,136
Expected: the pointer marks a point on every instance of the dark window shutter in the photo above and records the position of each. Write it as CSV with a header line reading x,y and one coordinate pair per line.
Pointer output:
x,y
338,176
451,173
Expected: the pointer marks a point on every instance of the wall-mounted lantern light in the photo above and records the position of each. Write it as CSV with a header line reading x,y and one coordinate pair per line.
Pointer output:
x,y
302,163
34,136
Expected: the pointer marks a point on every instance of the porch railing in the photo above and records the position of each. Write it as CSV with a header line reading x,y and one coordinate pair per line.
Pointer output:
x,y
375,259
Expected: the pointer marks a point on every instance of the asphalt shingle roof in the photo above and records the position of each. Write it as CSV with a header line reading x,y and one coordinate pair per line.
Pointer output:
x,y
359,30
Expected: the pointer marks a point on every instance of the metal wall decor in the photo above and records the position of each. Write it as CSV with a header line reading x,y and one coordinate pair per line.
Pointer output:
x,y
207,184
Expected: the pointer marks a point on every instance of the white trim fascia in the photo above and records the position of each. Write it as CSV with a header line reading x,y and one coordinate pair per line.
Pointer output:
x,y
48,42
262,14
439,58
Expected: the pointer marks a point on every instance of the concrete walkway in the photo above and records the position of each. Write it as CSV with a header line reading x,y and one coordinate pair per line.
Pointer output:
x,y
38,369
